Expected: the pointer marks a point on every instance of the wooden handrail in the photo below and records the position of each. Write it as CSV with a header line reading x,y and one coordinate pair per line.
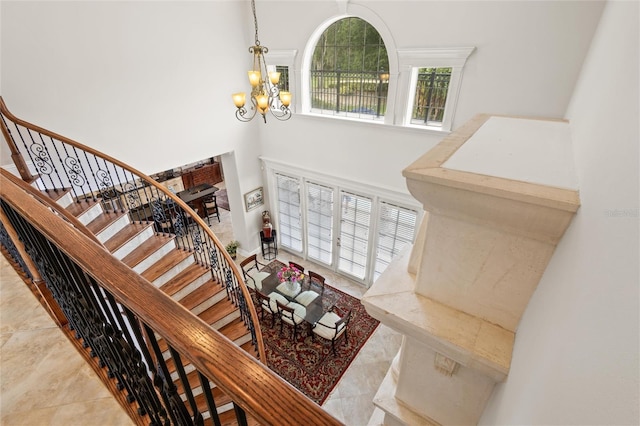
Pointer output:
x,y
200,222
53,205
250,384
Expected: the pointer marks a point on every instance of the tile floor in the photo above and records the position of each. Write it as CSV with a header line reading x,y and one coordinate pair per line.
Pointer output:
x,y
43,379
40,386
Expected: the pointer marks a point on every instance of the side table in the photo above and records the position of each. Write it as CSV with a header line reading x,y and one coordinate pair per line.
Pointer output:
x,y
269,245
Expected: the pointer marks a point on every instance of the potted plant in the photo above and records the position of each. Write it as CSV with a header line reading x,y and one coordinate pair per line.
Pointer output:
x,y
232,248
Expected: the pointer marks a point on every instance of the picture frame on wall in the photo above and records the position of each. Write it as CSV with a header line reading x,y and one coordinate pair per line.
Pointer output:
x,y
254,198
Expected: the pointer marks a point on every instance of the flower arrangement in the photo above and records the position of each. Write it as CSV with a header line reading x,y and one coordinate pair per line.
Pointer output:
x,y
289,273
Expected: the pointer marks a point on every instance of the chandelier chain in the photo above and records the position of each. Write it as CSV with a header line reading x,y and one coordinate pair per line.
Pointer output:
x,y
255,20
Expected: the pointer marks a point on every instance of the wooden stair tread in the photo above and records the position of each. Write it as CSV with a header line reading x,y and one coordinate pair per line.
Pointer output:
x,y
228,418
234,330
168,261
125,235
217,312
146,249
104,220
183,278
194,381
206,291
55,194
250,349
78,207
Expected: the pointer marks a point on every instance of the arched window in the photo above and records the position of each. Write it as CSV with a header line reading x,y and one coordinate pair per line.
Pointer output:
x,y
349,71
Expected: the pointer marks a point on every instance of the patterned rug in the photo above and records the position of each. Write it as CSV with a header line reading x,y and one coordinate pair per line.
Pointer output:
x,y
309,365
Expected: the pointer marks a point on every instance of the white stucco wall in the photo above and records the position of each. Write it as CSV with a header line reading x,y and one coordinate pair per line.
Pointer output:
x,y
575,360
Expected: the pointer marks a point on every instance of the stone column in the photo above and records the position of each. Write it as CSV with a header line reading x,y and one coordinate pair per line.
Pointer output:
x,y
499,194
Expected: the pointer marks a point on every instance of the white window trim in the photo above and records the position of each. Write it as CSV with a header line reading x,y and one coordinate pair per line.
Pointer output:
x,y
410,60
403,64
348,10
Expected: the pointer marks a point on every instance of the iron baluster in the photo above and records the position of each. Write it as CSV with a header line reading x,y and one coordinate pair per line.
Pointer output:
x,y
177,361
8,243
211,404
164,384
241,416
70,169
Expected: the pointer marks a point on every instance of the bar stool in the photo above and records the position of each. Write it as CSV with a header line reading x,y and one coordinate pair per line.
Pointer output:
x,y
269,245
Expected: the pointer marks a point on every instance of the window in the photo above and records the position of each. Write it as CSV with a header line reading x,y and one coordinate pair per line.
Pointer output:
x,y
283,84
349,227
320,223
349,71
290,228
430,98
283,61
432,78
354,234
396,229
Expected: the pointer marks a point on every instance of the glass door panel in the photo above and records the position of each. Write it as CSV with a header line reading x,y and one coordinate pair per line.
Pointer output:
x,y
396,229
355,222
290,224
320,223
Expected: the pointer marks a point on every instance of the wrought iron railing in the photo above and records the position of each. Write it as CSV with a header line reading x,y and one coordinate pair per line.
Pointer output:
x,y
56,163
350,93
129,328
432,88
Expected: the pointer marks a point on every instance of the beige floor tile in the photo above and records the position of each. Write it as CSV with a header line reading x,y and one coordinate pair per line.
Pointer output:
x,y
43,379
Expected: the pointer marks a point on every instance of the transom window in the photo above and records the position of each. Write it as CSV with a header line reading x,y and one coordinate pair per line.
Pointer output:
x,y
349,72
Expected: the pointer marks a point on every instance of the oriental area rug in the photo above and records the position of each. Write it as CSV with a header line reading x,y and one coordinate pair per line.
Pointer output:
x,y
310,365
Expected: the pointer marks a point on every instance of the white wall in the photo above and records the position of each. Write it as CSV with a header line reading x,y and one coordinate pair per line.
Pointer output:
x,y
527,59
150,82
137,80
575,359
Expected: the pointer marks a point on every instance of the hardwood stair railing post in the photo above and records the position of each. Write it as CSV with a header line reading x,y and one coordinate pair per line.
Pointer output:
x,y
16,155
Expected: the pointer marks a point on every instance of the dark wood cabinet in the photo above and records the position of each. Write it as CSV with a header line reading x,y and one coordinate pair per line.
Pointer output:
x,y
209,173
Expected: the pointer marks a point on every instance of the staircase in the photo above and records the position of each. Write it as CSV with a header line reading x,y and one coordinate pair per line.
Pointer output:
x,y
175,271
154,239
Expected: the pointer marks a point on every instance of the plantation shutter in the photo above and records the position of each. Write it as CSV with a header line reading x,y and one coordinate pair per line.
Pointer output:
x,y
354,233
320,223
290,229
396,229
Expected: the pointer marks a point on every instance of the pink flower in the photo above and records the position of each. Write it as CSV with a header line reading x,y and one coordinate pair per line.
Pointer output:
x,y
289,273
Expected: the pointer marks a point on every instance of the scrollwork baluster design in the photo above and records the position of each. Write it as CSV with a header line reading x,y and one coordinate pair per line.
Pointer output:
x,y
8,243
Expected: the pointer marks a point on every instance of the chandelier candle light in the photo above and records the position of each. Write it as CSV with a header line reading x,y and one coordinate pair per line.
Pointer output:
x,y
265,94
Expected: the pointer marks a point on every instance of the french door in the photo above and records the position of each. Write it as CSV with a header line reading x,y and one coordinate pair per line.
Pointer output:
x,y
347,249
348,232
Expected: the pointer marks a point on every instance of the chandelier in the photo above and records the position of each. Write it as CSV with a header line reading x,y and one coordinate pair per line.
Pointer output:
x,y
265,94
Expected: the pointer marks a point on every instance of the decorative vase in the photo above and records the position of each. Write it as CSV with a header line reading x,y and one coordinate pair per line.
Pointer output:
x,y
292,287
